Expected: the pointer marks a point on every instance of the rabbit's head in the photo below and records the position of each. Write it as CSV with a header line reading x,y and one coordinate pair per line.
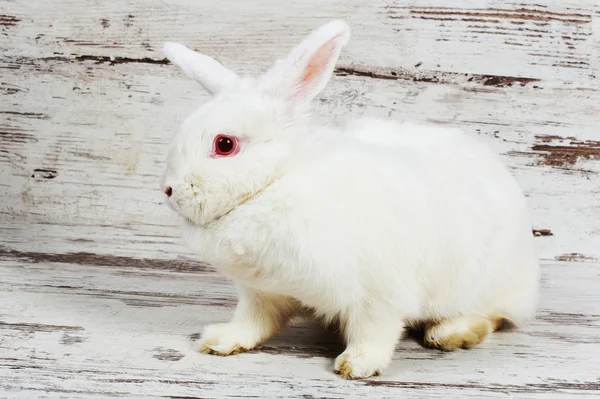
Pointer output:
x,y
240,141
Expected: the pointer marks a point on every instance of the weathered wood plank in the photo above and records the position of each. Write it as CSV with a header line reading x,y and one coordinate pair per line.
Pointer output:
x,y
545,40
110,331
94,168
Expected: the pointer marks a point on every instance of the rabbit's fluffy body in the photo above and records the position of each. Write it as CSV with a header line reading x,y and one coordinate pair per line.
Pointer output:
x,y
428,226
375,226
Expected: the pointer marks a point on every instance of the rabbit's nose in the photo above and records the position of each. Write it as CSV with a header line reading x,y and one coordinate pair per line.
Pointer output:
x,y
168,191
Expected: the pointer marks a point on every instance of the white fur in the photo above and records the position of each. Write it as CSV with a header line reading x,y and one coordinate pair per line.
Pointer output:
x,y
374,226
207,71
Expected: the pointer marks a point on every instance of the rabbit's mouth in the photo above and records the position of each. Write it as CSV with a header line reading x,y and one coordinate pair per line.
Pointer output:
x,y
187,204
202,205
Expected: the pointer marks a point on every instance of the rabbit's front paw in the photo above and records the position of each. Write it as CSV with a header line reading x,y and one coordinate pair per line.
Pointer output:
x,y
225,339
356,364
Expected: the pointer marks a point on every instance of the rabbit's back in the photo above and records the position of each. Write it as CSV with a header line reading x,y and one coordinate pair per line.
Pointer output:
x,y
437,212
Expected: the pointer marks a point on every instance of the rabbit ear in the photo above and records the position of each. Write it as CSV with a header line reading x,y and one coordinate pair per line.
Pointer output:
x,y
204,69
306,70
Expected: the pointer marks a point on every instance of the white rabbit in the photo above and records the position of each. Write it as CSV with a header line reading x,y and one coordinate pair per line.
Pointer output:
x,y
376,227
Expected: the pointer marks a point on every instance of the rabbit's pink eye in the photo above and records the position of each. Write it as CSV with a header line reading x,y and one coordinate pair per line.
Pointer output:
x,y
225,145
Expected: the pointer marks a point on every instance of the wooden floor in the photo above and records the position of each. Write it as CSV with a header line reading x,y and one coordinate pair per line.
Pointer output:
x,y
100,297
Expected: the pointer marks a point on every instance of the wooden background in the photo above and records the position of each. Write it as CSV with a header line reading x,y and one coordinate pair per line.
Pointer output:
x,y
100,297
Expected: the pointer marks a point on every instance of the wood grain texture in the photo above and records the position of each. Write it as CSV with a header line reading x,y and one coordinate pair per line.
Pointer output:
x,y
100,296
96,331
